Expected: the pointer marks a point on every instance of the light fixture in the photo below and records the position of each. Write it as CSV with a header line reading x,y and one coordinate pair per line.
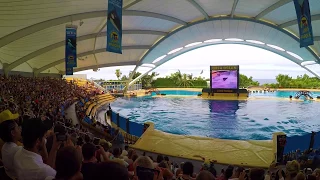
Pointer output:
x,y
295,55
193,44
234,39
148,65
175,50
306,63
276,47
255,42
159,59
212,40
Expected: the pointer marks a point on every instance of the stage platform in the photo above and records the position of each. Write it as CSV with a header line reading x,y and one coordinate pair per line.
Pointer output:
x,y
224,96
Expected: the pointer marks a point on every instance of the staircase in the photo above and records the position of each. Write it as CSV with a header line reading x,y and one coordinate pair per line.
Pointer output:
x,y
98,86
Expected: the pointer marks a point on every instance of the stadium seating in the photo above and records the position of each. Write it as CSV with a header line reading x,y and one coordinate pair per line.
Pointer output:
x,y
48,99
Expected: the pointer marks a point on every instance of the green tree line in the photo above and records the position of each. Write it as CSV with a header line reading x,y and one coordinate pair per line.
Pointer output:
x,y
301,81
179,79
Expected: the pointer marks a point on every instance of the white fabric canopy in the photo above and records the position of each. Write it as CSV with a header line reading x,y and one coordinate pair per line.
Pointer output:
x,y
154,31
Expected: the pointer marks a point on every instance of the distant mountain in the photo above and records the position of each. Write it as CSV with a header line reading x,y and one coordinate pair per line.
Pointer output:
x,y
265,81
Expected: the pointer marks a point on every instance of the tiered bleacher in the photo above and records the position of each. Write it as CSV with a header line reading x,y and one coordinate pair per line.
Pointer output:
x,y
41,142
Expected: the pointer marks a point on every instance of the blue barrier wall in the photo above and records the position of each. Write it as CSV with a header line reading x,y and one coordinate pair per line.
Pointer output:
x,y
123,123
317,141
297,142
135,129
301,142
114,117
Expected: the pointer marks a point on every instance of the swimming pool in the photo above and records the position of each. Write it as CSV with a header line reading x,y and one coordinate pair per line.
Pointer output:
x,y
251,119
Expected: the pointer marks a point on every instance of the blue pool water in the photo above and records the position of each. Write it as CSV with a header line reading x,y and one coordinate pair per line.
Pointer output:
x,y
251,119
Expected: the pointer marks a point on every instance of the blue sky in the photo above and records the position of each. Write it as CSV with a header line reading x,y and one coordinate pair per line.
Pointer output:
x,y
255,62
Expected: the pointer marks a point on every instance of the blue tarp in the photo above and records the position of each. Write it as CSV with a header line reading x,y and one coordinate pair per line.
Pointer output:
x,y
80,103
87,120
123,123
135,129
112,131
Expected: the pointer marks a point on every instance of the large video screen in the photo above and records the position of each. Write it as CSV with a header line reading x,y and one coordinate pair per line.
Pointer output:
x,y
224,77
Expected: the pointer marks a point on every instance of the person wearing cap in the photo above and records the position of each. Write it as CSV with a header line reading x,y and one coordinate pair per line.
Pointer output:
x,y
7,115
29,165
10,133
292,169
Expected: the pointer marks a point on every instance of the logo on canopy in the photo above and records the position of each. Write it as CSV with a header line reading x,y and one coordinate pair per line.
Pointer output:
x,y
304,21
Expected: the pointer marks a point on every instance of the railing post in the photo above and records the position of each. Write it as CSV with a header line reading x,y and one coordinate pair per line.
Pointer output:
x,y
118,120
127,124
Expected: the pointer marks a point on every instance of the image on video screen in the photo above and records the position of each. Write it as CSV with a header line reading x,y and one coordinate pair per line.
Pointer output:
x,y
224,79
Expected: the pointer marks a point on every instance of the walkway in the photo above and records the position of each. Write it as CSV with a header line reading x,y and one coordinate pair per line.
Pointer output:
x,y
101,117
71,114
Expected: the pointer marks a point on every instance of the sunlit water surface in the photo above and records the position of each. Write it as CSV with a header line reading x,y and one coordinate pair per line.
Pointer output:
x,y
251,119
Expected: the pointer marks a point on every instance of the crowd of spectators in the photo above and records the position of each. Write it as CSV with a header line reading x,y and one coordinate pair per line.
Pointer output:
x,y
40,143
45,98
307,159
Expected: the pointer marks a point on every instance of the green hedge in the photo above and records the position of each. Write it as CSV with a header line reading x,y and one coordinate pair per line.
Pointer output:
x,y
169,83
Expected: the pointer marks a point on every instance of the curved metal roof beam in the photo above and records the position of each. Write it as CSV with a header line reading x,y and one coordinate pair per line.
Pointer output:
x,y
308,63
280,53
312,72
315,17
235,19
75,17
272,8
139,77
154,15
105,65
262,46
131,4
234,6
197,5
81,38
37,71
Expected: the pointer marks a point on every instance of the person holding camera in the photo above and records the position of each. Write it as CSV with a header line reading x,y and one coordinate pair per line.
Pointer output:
x,y
28,162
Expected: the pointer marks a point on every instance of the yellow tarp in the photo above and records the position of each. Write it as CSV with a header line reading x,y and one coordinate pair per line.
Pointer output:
x,y
247,153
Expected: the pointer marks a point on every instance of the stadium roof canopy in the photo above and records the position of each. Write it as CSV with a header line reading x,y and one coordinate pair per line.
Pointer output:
x,y
154,31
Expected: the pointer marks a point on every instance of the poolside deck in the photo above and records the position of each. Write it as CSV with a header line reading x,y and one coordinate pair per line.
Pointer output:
x,y
252,153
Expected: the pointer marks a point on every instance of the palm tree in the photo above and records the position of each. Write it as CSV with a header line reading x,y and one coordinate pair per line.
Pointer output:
x,y
190,76
118,73
177,76
184,81
147,80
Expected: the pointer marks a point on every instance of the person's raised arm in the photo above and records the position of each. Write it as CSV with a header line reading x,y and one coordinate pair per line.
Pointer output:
x,y
103,153
53,153
44,152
